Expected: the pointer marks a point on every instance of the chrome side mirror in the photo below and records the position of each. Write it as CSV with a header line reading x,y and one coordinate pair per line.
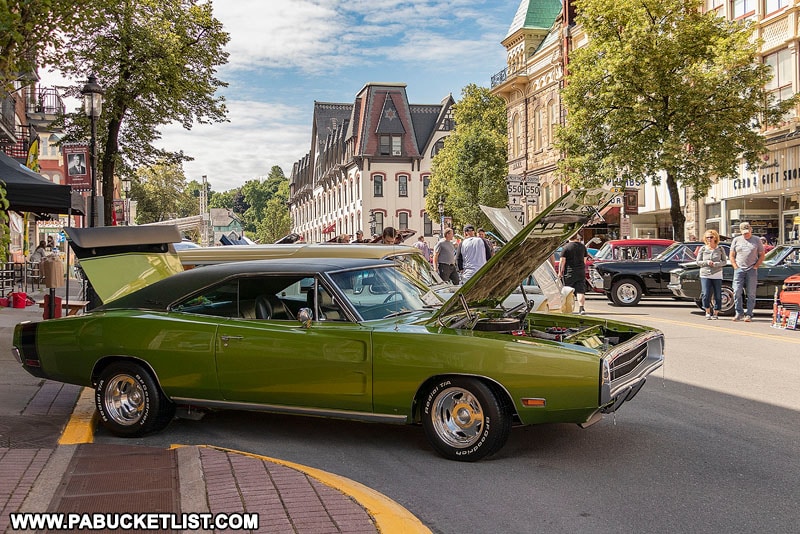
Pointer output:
x,y
305,316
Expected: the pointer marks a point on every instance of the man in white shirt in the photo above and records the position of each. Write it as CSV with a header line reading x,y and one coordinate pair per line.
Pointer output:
x,y
471,253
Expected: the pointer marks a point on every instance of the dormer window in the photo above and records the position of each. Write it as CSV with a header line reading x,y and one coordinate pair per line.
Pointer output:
x,y
391,145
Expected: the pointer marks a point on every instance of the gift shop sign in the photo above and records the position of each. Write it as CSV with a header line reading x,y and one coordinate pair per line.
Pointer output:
x,y
779,171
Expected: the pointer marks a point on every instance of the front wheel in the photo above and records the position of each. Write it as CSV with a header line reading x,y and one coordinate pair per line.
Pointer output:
x,y
626,293
464,420
130,402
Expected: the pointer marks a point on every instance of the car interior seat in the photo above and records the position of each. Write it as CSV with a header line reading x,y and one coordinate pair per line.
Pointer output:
x,y
328,309
263,307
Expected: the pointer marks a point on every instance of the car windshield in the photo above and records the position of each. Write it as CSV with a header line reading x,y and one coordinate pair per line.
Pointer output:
x,y
380,292
417,266
677,252
605,252
781,254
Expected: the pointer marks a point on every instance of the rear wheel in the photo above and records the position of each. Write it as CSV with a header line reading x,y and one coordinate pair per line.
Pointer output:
x,y
626,292
727,307
130,402
464,420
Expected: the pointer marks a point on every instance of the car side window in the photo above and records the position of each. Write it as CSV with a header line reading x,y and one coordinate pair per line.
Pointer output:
x,y
219,301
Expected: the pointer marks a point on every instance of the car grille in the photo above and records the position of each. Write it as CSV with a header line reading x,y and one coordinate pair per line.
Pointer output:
x,y
627,361
791,286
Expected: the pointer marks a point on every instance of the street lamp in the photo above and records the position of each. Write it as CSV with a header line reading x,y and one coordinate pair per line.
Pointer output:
x,y
126,187
441,216
93,106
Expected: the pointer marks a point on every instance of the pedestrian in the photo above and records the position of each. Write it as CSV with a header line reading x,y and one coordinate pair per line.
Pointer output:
x,y
423,246
472,254
444,258
747,253
572,269
389,236
38,254
359,237
711,258
489,249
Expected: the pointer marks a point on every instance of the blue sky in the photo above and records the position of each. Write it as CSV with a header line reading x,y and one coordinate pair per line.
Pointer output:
x,y
285,54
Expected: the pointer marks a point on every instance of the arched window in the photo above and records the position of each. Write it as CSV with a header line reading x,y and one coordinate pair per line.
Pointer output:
x,y
516,140
427,225
553,119
377,185
426,181
437,146
539,128
402,220
378,223
402,185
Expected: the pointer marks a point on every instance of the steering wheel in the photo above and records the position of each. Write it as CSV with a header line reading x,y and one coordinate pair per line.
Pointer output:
x,y
392,296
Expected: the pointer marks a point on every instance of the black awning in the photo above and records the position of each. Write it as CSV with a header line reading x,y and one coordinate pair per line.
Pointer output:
x,y
29,191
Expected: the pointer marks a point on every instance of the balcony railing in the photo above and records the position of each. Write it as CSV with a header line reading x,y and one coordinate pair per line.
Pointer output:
x,y
19,148
45,100
500,77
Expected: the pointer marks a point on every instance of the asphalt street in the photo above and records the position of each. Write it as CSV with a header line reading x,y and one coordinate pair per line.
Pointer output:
x,y
709,445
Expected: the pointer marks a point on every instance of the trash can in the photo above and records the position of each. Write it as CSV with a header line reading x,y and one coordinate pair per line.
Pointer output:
x,y
56,307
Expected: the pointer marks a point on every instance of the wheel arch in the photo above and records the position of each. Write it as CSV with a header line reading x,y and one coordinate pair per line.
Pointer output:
x,y
101,364
498,389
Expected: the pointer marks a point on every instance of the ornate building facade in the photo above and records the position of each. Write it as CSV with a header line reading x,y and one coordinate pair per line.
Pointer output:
x,y
538,45
369,165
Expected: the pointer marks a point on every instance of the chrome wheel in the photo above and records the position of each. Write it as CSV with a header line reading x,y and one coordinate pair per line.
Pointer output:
x,y
464,419
124,400
626,293
130,402
457,417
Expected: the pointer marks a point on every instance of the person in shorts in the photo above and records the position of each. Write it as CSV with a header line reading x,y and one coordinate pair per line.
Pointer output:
x,y
572,269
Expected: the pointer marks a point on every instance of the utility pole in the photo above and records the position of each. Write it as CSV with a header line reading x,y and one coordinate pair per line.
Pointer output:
x,y
204,211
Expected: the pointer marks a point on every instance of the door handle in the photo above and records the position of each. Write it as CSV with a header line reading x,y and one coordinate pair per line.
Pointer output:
x,y
225,339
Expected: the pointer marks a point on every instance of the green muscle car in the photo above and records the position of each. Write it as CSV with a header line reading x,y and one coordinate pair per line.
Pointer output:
x,y
352,338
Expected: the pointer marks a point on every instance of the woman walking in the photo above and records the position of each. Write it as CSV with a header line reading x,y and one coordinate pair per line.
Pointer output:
x,y
711,258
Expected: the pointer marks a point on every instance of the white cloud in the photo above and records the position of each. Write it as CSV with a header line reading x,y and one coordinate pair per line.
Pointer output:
x,y
257,137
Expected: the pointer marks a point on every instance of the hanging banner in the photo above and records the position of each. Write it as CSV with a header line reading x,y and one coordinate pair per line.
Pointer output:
x,y
76,166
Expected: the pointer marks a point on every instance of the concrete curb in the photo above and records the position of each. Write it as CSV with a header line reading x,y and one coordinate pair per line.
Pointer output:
x,y
82,422
389,515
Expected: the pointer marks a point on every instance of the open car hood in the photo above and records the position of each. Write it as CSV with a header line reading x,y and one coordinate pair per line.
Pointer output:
x,y
527,248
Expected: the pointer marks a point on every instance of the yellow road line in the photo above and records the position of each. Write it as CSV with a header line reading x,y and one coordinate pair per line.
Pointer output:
x,y
80,428
389,515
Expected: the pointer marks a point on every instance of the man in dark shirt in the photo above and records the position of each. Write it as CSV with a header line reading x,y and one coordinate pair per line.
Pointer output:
x,y
572,269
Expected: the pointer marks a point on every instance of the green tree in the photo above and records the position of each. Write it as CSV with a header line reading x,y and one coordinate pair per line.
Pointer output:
x,y
159,190
28,28
662,90
224,199
471,167
257,196
157,62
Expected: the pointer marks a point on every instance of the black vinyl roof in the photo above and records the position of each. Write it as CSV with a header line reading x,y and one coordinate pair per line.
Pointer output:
x,y
160,295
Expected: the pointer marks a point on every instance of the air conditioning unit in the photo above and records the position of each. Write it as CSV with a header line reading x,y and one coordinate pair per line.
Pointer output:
x,y
397,152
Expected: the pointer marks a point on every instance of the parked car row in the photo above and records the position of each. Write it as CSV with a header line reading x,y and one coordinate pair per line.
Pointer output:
x,y
364,339
626,282
780,263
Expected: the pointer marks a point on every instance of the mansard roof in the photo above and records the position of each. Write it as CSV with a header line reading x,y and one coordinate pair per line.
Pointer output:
x,y
535,14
